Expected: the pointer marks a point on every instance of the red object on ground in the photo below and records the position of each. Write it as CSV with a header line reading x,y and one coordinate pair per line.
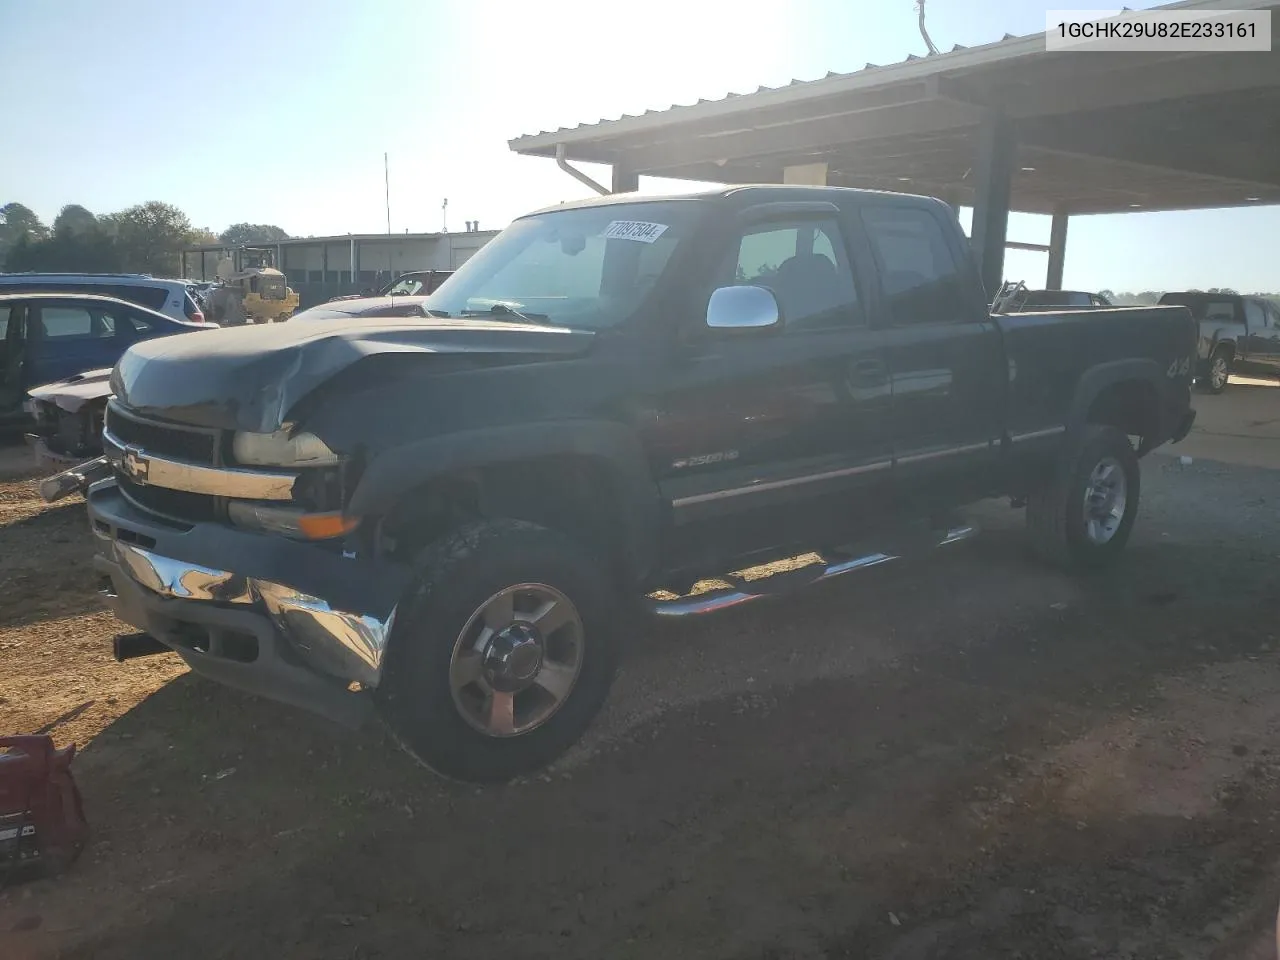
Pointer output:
x,y
42,825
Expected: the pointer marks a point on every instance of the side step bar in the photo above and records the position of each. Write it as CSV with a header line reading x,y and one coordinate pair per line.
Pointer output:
x,y
744,591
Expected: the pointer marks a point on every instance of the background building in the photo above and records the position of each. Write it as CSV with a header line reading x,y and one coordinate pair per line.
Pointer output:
x,y
322,267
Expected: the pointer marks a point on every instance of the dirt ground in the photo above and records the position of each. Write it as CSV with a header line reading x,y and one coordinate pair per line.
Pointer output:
x,y
962,756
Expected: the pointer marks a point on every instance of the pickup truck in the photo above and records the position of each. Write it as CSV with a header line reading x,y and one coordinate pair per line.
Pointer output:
x,y
454,521
1237,335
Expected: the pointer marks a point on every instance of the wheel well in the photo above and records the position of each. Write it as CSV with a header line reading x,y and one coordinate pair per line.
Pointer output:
x,y
577,495
1227,347
1131,406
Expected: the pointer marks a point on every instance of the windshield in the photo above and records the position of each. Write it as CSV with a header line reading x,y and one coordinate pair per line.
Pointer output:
x,y
588,268
1203,308
406,287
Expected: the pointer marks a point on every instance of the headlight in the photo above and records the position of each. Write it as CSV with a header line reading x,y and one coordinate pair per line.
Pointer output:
x,y
279,449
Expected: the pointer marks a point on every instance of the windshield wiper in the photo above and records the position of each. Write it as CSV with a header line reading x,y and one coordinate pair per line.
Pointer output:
x,y
502,310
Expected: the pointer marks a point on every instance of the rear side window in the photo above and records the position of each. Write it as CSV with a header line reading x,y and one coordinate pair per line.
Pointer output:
x,y
919,274
81,322
153,297
1253,314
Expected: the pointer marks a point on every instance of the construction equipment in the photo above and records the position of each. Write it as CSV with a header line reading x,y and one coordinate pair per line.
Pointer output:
x,y
250,289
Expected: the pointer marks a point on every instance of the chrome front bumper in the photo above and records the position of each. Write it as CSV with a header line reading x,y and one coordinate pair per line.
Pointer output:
x,y
316,648
347,645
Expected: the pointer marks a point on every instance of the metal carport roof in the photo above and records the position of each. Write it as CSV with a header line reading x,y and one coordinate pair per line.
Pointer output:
x,y
1095,132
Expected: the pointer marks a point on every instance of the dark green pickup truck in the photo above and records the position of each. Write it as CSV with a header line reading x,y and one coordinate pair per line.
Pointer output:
x,y
451,521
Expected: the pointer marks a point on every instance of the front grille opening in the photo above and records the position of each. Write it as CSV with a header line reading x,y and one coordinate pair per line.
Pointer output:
x,y
174,504
170,440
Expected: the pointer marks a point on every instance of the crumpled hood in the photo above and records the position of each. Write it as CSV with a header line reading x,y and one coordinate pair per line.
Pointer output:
x,y
250,377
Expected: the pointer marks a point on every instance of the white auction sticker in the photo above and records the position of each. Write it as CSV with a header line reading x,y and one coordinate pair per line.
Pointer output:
x,y
634,230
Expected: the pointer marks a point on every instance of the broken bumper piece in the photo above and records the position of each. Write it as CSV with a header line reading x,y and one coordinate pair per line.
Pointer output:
x,y
224,601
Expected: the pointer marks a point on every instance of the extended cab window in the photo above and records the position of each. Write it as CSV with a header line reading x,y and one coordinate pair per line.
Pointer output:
x,y
589,267
1254,315
805,266
918,273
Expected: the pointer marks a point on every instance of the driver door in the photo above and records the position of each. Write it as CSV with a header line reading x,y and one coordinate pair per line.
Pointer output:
x,y
766,436
13,384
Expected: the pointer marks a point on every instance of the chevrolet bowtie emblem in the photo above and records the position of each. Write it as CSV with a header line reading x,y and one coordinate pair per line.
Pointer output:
x,y
135,465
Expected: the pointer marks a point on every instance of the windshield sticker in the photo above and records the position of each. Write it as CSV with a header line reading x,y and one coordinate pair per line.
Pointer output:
x,y
634,230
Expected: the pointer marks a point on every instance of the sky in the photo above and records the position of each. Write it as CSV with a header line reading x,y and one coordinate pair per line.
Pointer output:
x,y
280,112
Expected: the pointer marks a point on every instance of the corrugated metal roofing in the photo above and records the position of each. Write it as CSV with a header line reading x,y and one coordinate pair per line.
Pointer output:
x,y
962,55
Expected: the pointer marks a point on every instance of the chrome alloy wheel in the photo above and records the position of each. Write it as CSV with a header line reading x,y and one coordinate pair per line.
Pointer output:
x,y
517,659
1104,500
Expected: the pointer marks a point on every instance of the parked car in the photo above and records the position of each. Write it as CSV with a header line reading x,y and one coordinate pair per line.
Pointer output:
x,y
416,283
1237,335
453,521
350,307
176,299
49,341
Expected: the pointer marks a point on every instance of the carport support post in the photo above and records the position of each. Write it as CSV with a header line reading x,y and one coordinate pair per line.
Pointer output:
x,y
1057,250
993,179
184,265
624,181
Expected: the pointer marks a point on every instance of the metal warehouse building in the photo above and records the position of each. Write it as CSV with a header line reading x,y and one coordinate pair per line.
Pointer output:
x,y
323,267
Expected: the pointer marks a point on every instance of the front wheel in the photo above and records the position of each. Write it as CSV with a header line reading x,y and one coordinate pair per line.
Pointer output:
x,y
1084,516
503,653
1215,378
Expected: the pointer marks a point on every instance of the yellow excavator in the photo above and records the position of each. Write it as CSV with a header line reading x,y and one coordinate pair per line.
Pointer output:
x,y
250,290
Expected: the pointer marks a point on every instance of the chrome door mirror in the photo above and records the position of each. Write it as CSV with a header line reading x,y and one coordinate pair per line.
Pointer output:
x,y
743,308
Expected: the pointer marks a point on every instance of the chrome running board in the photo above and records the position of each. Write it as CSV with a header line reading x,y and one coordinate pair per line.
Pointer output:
x,y
745,591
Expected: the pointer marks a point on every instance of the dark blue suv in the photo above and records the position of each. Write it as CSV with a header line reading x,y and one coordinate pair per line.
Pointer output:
x,y
50,337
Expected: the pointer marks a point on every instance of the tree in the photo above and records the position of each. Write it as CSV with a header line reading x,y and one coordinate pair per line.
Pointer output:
x,y
150,237
74,219
18,222
202,237
241,233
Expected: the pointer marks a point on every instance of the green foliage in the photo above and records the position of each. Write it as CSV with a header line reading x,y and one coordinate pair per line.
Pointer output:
x,y
18,223
1149,297
239,234
147,238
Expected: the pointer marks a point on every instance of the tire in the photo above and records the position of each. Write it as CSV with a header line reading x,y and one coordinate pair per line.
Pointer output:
x,y
1058,514
421,698
1215,378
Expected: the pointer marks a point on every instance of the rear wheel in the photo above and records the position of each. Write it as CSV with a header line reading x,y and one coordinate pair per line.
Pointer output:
x,y
504,652
1084,517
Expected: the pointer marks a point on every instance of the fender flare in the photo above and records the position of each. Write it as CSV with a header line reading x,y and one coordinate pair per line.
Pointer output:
x,y
394,472
1098,378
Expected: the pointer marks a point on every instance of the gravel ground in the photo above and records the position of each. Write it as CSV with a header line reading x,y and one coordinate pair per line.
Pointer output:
x,y
964,755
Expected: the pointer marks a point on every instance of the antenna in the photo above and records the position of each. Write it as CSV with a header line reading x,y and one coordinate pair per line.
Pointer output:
x,y
923,32
386,175
444,216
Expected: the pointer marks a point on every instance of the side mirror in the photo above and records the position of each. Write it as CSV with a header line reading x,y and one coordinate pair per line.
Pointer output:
x,y
743,308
